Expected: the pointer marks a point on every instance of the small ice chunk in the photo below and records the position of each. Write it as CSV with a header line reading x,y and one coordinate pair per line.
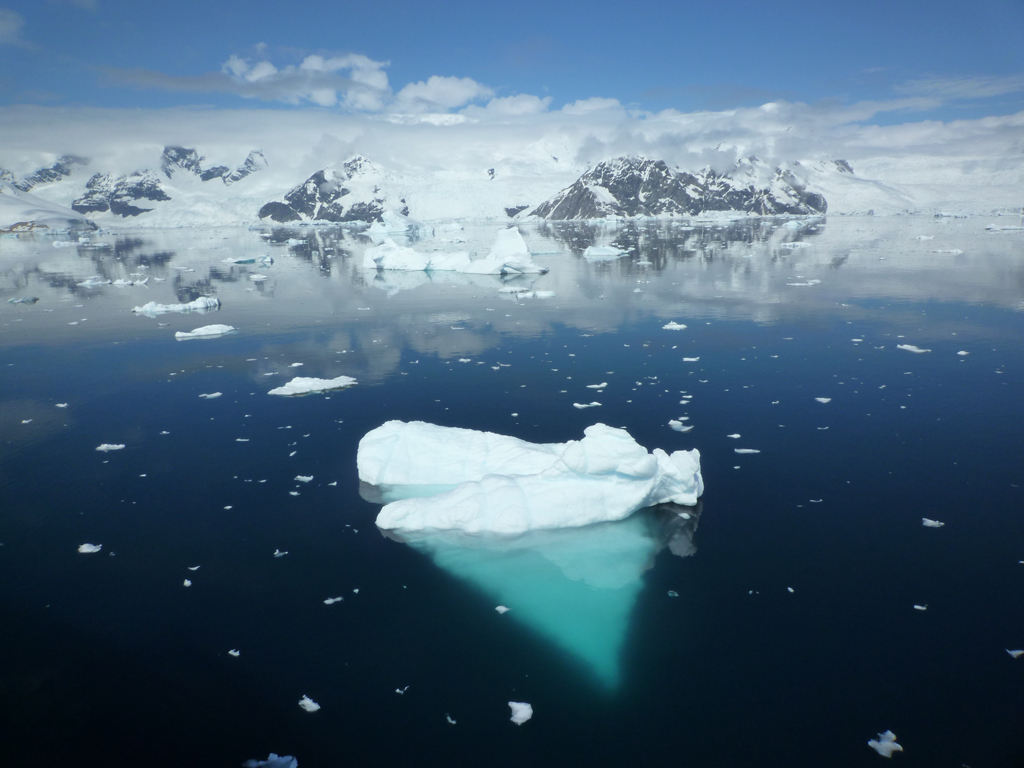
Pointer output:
x,y
302,385
88,549
274,761
690,359
789,589
201,304
602,385
911,348
585,405
105,447
1015,654
303,478
746,450
279,553
188,583
678,426
234,652
333,600
602,252
920,607
449,719
308,704
502,608
212,395
206,332
673,593
295,365
521,711
193,567
962,353
61,405
885,744
673,326
735,436
401,691
931,523
823,399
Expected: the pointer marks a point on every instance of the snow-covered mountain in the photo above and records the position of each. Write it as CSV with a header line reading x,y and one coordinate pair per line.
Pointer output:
x,y
629,187
351,193
24,212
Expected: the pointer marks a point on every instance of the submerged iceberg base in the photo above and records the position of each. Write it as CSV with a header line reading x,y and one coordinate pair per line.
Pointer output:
x,y
509,486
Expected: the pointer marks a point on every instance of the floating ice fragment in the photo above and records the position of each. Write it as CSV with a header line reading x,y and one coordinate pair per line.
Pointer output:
x,y
603,252
673,593
212,395
911,348
962,353
690,359
1015,654
920,607
678,426
274,761
202,304
308,704
88,549
24,300
401,691
235,652
26,421
303,478
521,711
449,719
602,385
586,405
279,553
789,589
193,567
302,385
333,600
673,326
734,436
502,608
931,523
804,284
293,493
823,399
105,447
206,332
188,583
61,405
746,450
886,744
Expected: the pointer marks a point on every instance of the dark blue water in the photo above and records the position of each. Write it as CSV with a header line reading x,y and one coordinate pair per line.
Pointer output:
x,y
107,659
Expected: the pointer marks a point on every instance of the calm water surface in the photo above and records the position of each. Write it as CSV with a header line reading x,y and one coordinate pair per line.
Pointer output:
x,y
775,626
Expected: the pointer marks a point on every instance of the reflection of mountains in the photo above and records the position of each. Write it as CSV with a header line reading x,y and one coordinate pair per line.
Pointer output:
x,y
574,586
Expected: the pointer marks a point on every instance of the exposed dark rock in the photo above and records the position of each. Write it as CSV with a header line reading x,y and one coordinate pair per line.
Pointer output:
x,y
254,162
217,172
515,210
279,212
324,197
637,187
117,194
55,172
179,158
843,166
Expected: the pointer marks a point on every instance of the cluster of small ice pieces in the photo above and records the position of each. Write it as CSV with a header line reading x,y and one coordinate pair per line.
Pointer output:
x,y
508,256
504,485
304,385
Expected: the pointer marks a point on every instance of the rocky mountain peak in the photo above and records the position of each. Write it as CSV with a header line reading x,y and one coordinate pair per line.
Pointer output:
x,y
55,172
174,159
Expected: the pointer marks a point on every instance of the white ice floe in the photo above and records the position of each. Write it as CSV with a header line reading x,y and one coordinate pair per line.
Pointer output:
x,y
690,359
308,704
333,600
746,450
594,404
304,385
202,304
105,447
234,652
673,326
188,583
401,691
499,484
1015,654
449,719
193,567
735,436
885,744
273,761
502,608
931,523
805,284
911,348
603,253
206,332
920,607
61,405
93,282
303,478
823,399
678,426
88,549
257,278
962,353
521,712
602,385
279,553
212,395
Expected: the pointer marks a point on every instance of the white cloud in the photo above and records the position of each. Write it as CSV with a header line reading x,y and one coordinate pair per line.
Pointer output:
x,y
963,87
11,23
595,104
440,93
511,106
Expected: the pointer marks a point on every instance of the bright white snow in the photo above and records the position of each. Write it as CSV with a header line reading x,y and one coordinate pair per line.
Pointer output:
x,y
506,485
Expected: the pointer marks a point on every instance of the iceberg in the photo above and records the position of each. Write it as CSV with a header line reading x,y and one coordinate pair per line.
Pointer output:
x,y
206,332
304,385
508,256
504,485
202,304
603,253
521,712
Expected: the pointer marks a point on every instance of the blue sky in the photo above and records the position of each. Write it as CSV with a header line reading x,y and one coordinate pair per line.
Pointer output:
x,y
941,60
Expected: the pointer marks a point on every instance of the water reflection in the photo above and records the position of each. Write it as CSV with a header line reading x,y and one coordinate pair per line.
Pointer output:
x,y
574,586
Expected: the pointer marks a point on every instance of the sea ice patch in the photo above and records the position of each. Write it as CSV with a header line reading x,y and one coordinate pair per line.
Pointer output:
x,y
308,704
521,711
673,326
106,447
206,332
823,399
88,549
912,348
885,744
931,523
304,385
